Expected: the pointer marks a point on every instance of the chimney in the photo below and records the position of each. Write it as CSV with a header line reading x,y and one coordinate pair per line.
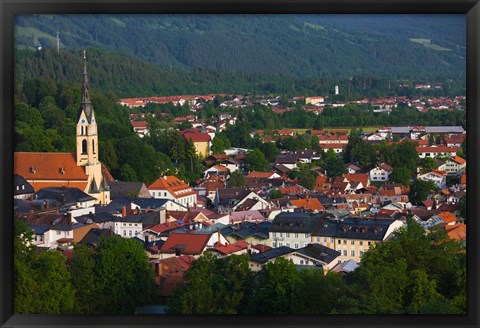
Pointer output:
x,y
124,211
69,218
218,236
146,238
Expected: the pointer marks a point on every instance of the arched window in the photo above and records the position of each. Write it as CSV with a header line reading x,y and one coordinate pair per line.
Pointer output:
x,y
84,146
93,146
82,131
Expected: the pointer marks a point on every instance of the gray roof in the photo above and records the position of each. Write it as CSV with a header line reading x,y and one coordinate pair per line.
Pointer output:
x,y
116,205
347,266
19,181
231,196
63,195
270,254
319,252
247,229
354,229
120,189
430,129
296,222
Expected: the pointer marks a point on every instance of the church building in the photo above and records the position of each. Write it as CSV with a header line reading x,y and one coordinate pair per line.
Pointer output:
x,y
82,169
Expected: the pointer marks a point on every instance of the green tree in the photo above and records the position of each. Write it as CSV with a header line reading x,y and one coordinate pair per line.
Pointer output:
x,y
236,180
276,289
428,164
82,270
256,161
127,173
401,175
275,193
220,143
419,190
42,281
124,277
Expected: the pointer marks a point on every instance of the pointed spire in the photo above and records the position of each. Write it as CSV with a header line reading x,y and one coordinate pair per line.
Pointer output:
x,y
86,104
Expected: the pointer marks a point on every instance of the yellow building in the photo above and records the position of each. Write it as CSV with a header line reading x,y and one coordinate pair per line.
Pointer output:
x,y
201,142
353,237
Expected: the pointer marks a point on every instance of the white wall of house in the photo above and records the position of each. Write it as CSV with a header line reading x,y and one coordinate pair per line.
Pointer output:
x,y
165,194
51,236
293,240
439,181
300,259
379,174
128,229
454,168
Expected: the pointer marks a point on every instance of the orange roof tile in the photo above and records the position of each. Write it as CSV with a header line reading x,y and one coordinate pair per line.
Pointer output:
x,y
458,159
457,232
447,217
69,184
48,166
176,187
463,179
312,204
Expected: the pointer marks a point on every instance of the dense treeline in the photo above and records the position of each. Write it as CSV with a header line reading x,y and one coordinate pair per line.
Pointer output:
x,y
413,272
113,277
131,77
285,45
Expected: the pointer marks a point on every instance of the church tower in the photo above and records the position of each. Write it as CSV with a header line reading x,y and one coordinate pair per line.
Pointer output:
x,y
87,143
87,139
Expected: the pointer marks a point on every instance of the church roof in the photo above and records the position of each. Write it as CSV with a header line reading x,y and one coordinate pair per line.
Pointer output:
x,y
60,167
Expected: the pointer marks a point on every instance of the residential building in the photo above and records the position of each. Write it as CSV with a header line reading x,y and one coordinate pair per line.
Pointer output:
x,y
171,187
381,172
293,229
439,178
353,237
455,166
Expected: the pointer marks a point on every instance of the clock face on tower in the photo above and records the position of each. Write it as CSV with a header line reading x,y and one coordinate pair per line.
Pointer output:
x,y
83,120
93,120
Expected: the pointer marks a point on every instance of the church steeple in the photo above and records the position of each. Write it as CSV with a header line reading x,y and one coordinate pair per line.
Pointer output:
x,y
87,140
86,104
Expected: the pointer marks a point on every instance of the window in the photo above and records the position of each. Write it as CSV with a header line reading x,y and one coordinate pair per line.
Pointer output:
x,y
93,146
274,244
301,261
318,238
129,224
23,187
361,243
84,146
324,239
124,233
344,252
164,194
281,234
369,243
130,233
352,242
332,240
288,235
352,253
307,235
344,241
58,232
361,253
296,234
280,244
274,234
296,245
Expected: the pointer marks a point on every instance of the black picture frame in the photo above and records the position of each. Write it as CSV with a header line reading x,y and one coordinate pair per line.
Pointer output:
x,y
10,8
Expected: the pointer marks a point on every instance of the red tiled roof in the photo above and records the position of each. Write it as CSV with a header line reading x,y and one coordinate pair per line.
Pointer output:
x,y
139,124
232,248
48,166
463,179
197,137
159,228
186,243
363,178
255,174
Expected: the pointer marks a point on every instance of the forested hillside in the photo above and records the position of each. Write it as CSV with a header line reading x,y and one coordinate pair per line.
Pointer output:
x,y
128,76
388,46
